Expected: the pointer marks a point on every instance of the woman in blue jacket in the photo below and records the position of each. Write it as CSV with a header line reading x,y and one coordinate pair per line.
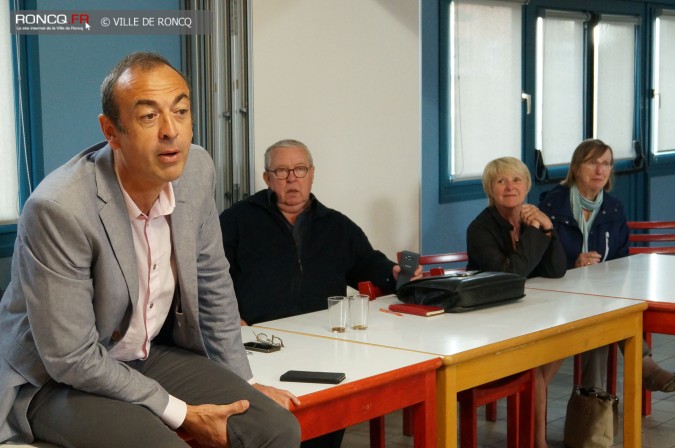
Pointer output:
x,y
591,225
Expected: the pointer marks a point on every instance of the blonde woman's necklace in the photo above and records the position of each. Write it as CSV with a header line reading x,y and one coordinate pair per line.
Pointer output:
x,y
515,234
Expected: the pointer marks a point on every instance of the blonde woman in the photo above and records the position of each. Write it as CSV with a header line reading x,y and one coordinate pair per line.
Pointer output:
x,y
512,236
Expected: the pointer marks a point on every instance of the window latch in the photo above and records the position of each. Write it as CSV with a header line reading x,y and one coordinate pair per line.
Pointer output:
x,y
528,102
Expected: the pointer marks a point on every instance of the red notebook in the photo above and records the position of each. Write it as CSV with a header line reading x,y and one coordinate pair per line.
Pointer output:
x,y
419,310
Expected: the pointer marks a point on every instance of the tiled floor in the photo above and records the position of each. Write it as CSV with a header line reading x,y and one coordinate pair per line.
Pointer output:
x,y
658,430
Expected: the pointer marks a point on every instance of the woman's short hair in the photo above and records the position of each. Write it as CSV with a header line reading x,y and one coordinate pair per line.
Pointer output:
x,y
590,149
503,165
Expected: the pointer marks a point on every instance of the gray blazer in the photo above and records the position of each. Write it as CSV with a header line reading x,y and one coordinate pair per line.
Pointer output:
x,y
74,277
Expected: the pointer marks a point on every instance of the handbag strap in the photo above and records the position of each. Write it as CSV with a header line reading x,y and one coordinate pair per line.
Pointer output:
x,y
597,393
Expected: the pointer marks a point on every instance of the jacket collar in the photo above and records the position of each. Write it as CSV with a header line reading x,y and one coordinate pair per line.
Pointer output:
x,y
268,199
559,199
114,216
503,223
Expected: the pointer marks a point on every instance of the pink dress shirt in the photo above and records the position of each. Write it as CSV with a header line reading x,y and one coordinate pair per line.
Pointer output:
x,y
156,269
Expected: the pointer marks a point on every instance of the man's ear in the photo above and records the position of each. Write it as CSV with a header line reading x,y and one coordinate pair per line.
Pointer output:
x,y
109,130
266,178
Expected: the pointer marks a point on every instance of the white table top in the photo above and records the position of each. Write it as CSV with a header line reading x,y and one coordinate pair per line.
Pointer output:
x,y
303,352
449,334
643,276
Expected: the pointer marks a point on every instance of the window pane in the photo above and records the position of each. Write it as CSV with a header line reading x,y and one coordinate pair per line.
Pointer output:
x,y
9,188
663,103
559,98
614,77
486,84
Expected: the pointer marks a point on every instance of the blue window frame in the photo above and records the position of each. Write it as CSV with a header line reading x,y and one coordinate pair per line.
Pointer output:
x,y
28,121
661,87
629,23
481,91
611,37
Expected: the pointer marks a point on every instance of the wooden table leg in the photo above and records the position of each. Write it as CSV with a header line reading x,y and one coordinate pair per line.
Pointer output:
x,y
632,387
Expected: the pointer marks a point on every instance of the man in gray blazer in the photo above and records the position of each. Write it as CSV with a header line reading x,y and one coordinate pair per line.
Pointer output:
x,y
120,322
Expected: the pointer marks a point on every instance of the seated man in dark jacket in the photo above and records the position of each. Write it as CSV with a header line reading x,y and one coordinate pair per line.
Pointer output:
x,y
287,251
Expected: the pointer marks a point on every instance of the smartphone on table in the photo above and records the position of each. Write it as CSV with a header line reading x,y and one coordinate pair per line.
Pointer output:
x,y
264,347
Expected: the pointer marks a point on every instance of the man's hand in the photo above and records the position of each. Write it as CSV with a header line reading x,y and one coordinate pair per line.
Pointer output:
x,y
207,423
281,396
416,275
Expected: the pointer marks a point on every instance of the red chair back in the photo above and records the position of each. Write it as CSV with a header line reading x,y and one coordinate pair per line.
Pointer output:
x,y
373,291
436,259
641,237
369,289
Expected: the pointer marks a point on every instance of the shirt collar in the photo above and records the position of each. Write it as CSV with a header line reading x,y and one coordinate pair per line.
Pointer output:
x,y
163,205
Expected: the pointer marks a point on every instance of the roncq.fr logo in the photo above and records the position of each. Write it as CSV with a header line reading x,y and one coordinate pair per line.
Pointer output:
x,y
35,18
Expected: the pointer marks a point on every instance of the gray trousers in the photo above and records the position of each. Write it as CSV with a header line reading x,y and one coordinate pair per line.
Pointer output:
x,y
594,365
71,418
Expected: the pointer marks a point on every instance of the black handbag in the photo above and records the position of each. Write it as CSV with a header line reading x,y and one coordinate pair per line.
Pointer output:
x,y
464,291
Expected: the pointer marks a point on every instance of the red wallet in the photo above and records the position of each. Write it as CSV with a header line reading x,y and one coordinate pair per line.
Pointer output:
x,y
418,310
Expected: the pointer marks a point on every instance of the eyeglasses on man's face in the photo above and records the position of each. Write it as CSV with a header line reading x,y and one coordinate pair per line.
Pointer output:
x,y
283,173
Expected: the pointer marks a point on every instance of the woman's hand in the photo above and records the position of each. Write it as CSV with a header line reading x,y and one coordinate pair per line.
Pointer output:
x,y
532,216
587,259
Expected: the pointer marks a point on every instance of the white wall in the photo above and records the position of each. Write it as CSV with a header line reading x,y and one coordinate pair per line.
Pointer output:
x,y
343,76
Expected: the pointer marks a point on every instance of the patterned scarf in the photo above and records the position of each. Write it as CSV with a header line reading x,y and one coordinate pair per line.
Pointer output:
x,y
580,203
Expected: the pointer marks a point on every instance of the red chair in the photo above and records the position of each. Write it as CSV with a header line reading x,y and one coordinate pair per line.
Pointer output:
x,y
643,241
519,392
370,290
652,250
641,238
373,291
451,257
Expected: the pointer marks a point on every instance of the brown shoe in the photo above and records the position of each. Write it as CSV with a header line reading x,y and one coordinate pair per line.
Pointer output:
x,y
660,381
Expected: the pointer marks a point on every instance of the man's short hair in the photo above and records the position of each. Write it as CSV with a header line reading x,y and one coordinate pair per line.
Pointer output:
x,y
287,143
140,60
